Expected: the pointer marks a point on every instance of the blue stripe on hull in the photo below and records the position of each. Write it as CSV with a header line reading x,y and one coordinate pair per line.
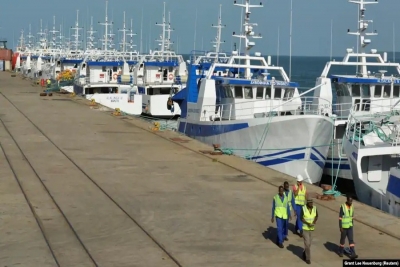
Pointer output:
x,y
282,160
319,153
279,153
319,162
394,185
329,165
195,130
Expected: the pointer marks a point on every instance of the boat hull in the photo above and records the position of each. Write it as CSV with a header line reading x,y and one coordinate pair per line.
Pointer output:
x,y
370,193
336,164
289,144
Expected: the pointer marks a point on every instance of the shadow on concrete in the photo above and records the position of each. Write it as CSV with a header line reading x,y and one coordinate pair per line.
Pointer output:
x,y
296,250
271,234
331,247
292,226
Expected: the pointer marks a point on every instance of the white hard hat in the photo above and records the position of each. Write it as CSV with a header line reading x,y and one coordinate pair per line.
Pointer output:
x,y
299,178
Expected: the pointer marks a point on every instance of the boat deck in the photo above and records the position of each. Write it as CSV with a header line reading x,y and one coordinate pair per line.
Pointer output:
x,y
81,187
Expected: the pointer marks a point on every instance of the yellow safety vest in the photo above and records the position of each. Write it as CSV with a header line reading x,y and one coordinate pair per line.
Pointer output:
x,y
281,207
309,217
300,199
289,196
347,219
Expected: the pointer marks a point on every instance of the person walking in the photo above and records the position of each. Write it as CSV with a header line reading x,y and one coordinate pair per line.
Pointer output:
x,y
346,214
281,212
292,205
300,195
309,217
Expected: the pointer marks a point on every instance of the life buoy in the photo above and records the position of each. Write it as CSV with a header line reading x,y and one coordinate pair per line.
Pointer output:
x,y
115,76
171,76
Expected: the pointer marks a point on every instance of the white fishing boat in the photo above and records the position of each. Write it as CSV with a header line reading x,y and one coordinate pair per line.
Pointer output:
x,y
372,142
371,81
243,108
160,75
105,77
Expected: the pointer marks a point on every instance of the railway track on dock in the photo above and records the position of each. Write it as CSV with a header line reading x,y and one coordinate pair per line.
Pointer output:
x,y
89,178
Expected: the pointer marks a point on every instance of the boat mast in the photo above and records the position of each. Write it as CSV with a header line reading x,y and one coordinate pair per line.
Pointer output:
x,y
131,34
106,24
124,30
61,39
54,31
21,42
30,36
90,38
169,30
217,43
163,24
42,39
248,33
361,33
77,29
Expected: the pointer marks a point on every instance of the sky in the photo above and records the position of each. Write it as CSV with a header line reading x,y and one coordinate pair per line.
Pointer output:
x,y
311,34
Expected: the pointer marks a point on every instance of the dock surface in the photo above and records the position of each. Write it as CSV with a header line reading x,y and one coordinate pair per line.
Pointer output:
x,y
81,187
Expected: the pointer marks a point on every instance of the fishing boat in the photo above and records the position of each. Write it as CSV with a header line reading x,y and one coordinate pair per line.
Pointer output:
x,y
106,77
159,76
241,108
372,142
371,81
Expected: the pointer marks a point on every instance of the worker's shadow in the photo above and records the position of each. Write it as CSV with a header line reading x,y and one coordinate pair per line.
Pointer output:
x,y
331,247
271,234
296,250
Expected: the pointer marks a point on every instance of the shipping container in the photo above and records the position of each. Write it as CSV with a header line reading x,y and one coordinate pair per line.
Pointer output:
x,y
5,54
7,65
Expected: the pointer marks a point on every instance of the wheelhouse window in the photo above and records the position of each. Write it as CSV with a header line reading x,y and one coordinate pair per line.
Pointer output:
x,y
396,91
115,69
342,89
365,90
378,91
355,90
248,92
238,92
103,68
289,93
260,92
228,92
268,93
278,93
386,90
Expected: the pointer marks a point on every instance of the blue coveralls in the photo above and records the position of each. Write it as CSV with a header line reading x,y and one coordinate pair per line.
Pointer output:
x,y
286,231
281,224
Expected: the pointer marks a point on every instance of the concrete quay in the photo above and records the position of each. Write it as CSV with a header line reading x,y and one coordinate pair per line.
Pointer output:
x,y
105,190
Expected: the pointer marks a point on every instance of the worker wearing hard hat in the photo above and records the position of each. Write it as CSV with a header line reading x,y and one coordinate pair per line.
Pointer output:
x,y
300,196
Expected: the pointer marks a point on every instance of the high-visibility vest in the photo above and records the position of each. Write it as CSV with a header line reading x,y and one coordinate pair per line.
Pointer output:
x,y
281,207
300,199
290,196
309,217
347,219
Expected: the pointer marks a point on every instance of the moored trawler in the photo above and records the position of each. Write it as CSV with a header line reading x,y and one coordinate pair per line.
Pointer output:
x,y
371,82
239,105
